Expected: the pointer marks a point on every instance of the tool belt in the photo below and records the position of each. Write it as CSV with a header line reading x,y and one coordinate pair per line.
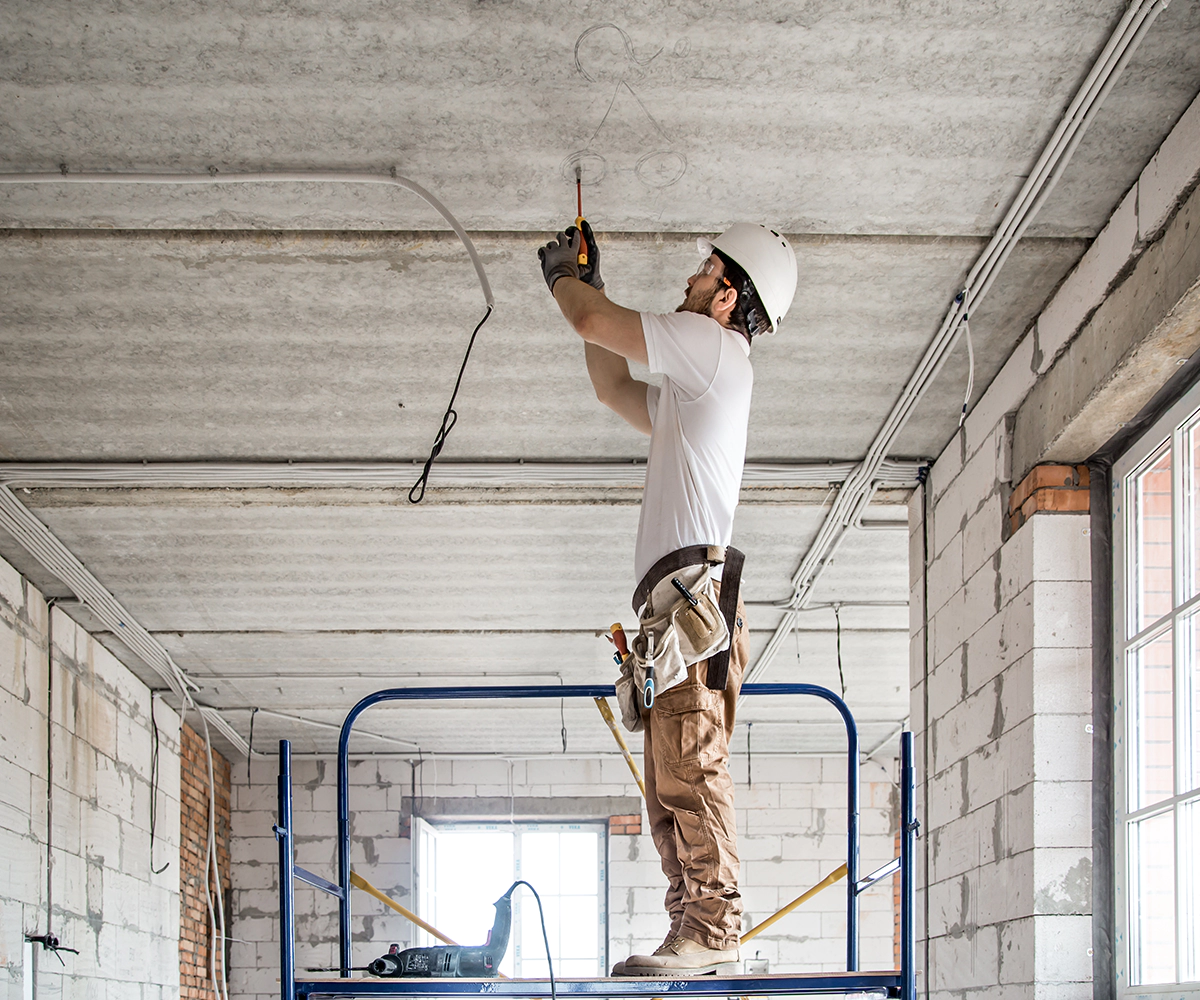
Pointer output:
x,y
681,622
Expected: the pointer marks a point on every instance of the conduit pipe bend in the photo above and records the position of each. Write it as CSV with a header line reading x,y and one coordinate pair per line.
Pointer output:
x,y
269,177
1049,167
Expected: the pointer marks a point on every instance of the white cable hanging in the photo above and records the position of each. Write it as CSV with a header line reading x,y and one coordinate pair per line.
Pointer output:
x,y
965,295
214,176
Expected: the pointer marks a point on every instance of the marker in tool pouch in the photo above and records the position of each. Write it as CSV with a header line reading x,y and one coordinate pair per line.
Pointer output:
x,y
687,594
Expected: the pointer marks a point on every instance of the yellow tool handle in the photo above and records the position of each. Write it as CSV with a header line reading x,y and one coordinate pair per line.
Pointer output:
x,y
361,883
583,244
606,712
834,876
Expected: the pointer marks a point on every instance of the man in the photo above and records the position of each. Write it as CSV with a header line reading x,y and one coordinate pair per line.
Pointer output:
x,y
697,425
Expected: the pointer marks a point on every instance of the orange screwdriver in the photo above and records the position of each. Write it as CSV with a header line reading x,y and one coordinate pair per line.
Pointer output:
x,y
579,218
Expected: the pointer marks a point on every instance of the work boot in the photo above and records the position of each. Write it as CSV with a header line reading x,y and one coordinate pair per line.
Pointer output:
x,y
679,957
619,968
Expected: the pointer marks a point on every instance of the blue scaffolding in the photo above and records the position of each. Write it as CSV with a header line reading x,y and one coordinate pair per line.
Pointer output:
x,y
893,983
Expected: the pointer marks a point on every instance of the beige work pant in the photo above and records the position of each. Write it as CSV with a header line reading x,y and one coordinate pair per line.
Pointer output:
x,y
689,797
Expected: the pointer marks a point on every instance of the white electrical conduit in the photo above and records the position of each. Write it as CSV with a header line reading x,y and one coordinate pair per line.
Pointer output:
x,y
199,475
269,177
1122,43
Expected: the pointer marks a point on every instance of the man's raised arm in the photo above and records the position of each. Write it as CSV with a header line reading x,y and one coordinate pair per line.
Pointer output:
x,y
611,332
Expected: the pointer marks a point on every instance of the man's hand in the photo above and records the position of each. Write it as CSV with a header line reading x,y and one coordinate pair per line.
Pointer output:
x,y
560,257
590,273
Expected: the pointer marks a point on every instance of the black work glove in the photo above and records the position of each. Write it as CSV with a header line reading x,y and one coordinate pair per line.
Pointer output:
x,y
560,258
590,272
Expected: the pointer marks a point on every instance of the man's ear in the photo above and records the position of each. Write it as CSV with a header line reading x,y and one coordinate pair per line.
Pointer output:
x,y
724,302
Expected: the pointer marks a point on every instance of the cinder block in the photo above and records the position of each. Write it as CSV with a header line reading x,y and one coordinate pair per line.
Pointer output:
x,y
1062,680
948,796
374,824
945,574
1017,951
1062,748
1062,881
969,960
981,599
1006,889
1061,547
963,844
953,904
786,771
23,734
1016,563
981,536
946,628
979,477
1062,613
945,684
1001,641
1017,690
948,518
969,725
1169,173
1062,946
945,469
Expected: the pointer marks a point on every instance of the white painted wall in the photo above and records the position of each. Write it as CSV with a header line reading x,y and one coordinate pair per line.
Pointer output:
x,y
791,823
106,902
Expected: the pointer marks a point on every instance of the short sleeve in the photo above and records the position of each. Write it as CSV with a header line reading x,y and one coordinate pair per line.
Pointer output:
x,y
685,347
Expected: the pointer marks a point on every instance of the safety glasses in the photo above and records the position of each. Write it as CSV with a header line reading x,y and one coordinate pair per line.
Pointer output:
x,y
707,266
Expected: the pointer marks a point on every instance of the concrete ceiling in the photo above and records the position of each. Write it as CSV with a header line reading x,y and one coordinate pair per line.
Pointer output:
x,y
326,322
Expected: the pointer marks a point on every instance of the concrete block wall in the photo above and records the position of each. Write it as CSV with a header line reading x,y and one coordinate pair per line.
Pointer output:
x,y
106,901
792,825
1002,716
1000,610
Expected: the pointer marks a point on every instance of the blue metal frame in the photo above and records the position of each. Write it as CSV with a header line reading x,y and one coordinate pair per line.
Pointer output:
x,y
901,984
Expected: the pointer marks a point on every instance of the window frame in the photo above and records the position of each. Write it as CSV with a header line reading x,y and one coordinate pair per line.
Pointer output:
x,y
1170,429
423,830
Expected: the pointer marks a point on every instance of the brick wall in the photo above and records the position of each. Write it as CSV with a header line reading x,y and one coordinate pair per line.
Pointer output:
x,y
791,824
107,900
195,926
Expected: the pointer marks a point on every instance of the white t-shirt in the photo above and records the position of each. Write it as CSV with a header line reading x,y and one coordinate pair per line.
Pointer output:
x,y
698,438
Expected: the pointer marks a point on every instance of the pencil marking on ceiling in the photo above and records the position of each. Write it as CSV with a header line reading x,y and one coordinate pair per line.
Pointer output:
x,y
658,168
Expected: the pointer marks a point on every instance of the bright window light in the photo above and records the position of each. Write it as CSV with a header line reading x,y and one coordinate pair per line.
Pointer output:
x,y
461,869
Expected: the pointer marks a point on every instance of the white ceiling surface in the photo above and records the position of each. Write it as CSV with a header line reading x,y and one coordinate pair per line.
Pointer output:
x,y
289,322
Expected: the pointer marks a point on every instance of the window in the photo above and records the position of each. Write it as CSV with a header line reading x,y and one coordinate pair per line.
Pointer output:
x,y
1156,551
461,869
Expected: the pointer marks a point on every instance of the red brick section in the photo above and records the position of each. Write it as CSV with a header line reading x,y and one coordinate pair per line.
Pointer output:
x,y
625,824
1059,489
195,930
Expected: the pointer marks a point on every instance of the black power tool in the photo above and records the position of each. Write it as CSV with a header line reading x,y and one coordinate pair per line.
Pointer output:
x,y
453,961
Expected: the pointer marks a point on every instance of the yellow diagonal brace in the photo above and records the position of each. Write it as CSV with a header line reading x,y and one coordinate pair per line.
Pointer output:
x,y
606,712
361,883
834,876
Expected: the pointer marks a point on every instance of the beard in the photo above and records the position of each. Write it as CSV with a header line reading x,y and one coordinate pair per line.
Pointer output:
x,y
699,301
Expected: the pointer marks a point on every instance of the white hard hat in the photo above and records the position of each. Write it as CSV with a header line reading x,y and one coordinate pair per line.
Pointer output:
x,y
768,260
